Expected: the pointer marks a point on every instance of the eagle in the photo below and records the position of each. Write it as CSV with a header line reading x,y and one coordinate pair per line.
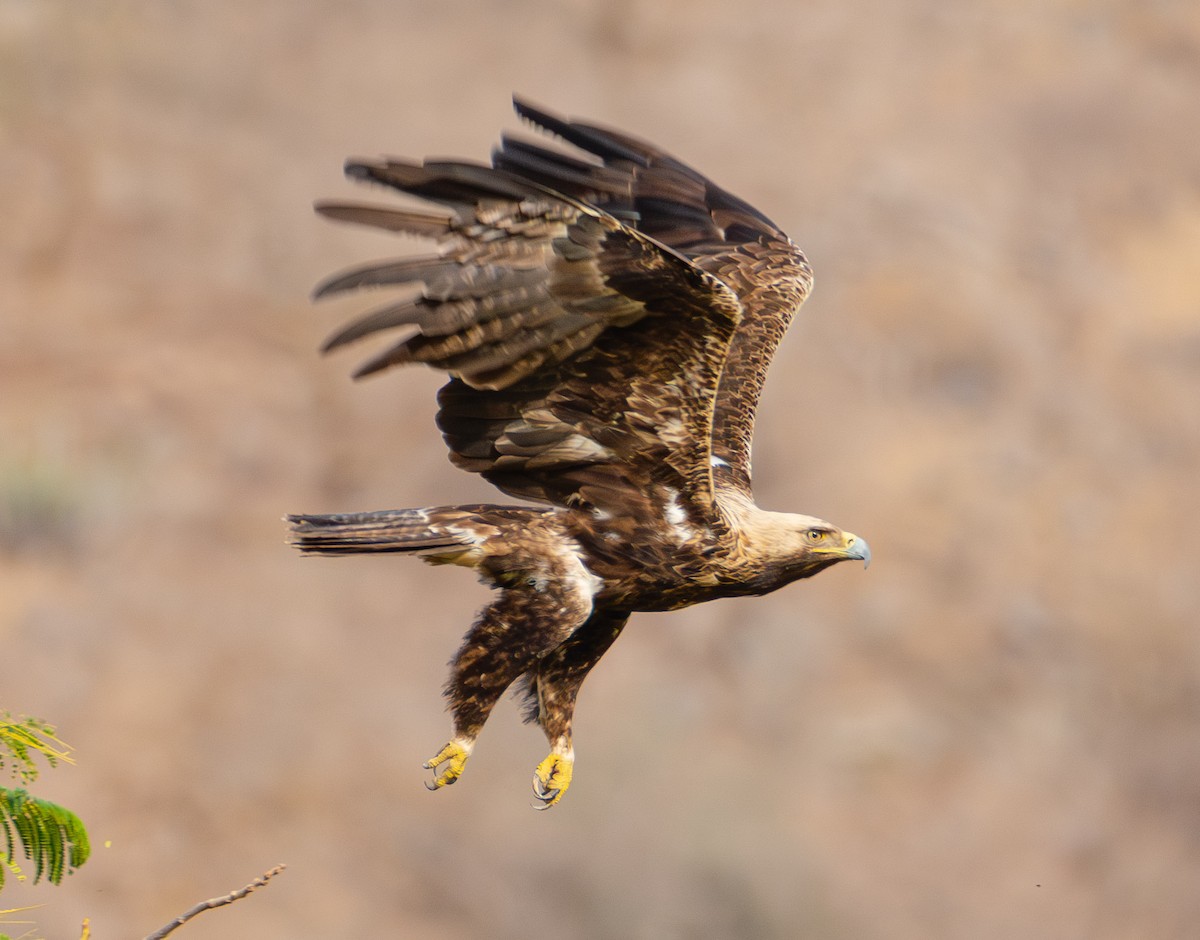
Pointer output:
x,y
606,315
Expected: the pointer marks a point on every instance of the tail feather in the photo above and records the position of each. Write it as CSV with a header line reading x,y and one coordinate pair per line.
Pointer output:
x,y
396,530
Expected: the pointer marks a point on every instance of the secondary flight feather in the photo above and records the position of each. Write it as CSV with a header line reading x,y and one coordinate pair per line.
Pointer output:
x,y
607,317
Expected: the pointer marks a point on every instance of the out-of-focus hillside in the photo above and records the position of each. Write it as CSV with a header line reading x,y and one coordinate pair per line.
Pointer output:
x,y
995,732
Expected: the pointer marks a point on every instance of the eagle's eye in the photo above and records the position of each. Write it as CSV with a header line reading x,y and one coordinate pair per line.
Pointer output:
x,y
815,535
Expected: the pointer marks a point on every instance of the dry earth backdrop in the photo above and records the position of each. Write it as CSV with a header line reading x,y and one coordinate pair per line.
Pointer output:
x,y
995,732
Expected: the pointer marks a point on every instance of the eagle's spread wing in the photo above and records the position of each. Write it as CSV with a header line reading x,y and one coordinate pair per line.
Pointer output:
x,y
717,231
589,313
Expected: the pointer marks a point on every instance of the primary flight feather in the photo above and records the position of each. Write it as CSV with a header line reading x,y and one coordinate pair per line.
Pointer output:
x,y
607,320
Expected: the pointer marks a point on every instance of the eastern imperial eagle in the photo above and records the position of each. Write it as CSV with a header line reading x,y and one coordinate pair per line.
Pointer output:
x,y
607,321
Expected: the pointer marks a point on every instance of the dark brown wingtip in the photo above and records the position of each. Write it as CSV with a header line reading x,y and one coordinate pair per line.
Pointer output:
x,y
336,283
592,139
358,168
333,341
373,366
325,288
524,107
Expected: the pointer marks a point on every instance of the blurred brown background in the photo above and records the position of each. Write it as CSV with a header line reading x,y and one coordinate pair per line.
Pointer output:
x,y
993,733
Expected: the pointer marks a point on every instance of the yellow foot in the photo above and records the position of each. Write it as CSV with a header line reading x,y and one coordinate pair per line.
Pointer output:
x,y
456,752
551,779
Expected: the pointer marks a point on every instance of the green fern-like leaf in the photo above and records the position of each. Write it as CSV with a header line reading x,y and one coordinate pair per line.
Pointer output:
x,y
21,738
52,837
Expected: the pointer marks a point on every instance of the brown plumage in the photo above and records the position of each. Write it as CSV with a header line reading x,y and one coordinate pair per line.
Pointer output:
x,y
607,320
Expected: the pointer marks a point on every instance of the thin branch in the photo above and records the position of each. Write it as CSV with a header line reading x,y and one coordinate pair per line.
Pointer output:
x,y
215,902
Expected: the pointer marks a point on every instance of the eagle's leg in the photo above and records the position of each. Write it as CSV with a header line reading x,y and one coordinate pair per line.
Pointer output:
x,y
505,642
553,689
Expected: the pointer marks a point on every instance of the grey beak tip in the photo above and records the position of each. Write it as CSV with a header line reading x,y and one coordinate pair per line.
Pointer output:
x,y
862,550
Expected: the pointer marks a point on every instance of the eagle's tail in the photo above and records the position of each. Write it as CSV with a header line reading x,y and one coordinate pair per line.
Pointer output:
x,y
449,534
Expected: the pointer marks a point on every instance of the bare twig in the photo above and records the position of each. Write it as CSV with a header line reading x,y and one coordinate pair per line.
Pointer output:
x,y
215,902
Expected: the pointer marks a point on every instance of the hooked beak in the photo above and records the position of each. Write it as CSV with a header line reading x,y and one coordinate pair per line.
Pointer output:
x,y
858,549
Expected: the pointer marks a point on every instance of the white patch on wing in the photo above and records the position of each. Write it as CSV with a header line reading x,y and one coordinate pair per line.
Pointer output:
x,y
672,431
716,461
672,510
677,517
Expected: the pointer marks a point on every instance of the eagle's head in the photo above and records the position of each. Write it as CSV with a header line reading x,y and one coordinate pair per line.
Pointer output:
x,y
823,544
798,546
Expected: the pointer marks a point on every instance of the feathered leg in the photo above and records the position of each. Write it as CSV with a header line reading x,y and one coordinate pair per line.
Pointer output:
x,y
553,689
507,640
